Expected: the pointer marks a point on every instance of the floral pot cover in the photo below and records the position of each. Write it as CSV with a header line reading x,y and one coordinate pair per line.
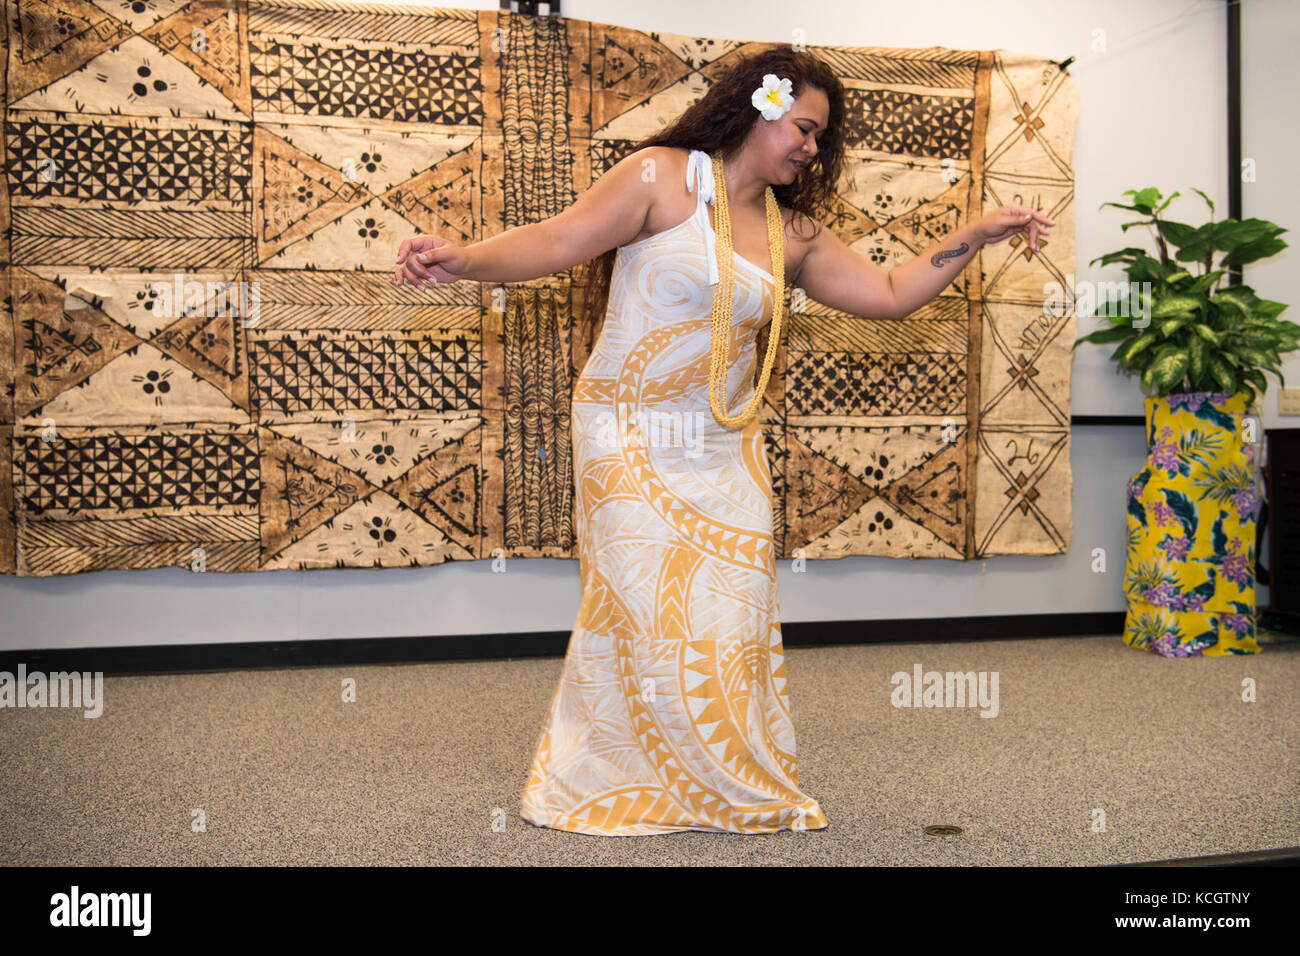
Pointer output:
x,y
1189,582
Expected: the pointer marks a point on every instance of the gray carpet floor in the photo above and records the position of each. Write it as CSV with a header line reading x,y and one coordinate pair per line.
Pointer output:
x,y
427,766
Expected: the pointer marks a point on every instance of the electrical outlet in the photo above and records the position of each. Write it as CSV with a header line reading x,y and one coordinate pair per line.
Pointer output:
x,y
1288,401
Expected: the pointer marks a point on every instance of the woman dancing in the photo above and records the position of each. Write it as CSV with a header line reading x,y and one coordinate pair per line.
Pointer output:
x,y
672,712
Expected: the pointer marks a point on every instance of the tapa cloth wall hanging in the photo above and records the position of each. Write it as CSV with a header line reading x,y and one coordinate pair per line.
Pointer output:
x,y
207,364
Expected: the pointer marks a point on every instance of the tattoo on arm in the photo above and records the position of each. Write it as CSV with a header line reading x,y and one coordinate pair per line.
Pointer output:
x,y
937,260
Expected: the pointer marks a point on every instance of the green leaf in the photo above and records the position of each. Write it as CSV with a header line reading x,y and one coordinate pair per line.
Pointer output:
x,y
1231,299
1104,335
1176,305
1119,302
1112,313
1256,378
1205,197
1257,339
1206,281
1257,323
1269,308
1199,240
1207,333
1147,269
1168,367
1287,341
1144,200
1195,356
1253,356
1140,343
1169,326
1196,252
1179,233
1149,378
1120,256
1223,374
1234,232
1253,251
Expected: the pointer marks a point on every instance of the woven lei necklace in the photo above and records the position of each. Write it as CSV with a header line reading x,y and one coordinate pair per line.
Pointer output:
x,y
773,98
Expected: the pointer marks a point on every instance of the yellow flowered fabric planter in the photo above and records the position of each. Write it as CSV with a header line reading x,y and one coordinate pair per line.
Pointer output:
x,y
1189,583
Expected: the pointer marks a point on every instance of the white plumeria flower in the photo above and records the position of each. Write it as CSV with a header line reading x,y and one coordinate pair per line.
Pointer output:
x,y
773,98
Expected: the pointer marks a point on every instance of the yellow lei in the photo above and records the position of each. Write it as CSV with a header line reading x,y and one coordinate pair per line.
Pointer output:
x,y
724,292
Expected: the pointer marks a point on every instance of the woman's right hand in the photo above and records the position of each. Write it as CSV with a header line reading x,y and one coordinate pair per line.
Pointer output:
x,y
430,259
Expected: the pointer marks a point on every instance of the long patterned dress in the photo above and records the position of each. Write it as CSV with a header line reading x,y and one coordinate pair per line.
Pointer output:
x,y
672,712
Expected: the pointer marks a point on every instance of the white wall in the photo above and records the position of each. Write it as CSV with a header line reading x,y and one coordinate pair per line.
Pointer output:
x,y
1270,81
1152,112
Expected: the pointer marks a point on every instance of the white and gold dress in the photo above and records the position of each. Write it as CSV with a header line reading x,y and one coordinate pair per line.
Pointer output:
x,y
672,712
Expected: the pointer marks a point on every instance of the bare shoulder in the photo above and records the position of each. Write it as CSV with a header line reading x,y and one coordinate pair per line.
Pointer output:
x,y
671,203
669,165
655,156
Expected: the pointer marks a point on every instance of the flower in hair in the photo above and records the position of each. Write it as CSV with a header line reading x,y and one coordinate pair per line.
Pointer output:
x,y
773,98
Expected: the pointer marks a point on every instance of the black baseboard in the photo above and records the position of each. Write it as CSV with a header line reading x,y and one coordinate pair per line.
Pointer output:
x,y
1286,622
1282,856
1139,420
171,658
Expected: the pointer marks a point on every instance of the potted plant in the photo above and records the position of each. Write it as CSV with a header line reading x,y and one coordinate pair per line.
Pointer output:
x,y
1201,353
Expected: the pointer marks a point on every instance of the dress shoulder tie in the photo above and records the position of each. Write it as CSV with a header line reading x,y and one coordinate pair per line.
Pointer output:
x,y
699,169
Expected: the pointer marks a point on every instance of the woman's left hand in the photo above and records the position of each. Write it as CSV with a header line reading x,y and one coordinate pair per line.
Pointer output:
x,y
1012,220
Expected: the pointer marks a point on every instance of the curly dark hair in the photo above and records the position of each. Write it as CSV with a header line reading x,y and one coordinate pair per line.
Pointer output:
x,y
721,119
